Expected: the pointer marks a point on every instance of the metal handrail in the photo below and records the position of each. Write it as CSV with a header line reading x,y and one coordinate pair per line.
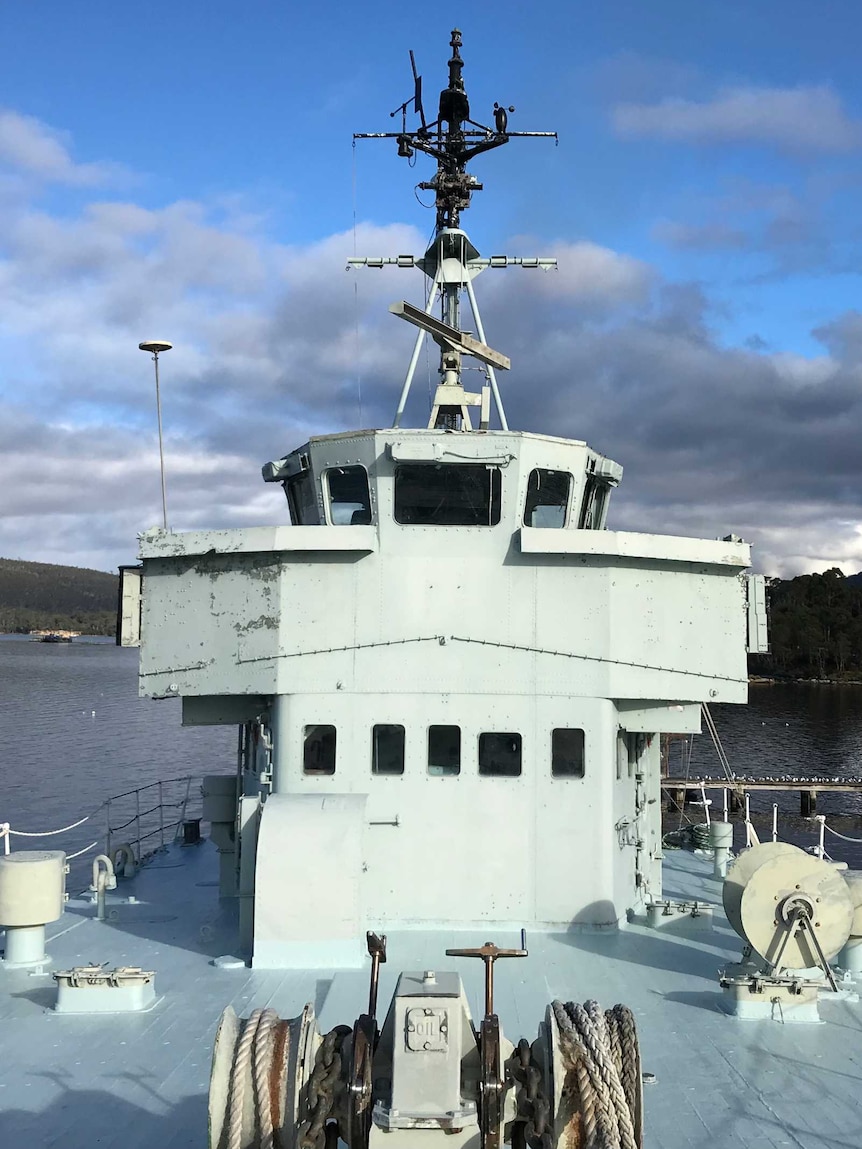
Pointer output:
x,y
159,808
171,803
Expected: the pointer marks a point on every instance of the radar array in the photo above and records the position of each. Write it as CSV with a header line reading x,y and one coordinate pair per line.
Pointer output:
x,y
451,261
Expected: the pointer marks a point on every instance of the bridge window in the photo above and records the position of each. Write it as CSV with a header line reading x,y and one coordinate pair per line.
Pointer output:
x,y
444,750
349,497
318,753
387,749
447,495
547,500
500,755
567,752
302,499
593,507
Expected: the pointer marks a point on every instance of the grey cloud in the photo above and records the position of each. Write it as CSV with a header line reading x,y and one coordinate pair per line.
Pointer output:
x,y
843,337
273,344
793,119
705,236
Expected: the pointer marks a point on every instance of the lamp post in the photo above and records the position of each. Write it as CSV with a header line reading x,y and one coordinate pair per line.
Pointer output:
x,y
155,346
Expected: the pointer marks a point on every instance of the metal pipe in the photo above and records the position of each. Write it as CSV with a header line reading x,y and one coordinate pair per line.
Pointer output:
x,y
707,802
417,347
775,821
161,818
25,945
492,378
821,848
161,444
489,985
748,841
103,879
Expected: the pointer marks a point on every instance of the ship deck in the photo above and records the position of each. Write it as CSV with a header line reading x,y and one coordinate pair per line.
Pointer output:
x,y
141,1080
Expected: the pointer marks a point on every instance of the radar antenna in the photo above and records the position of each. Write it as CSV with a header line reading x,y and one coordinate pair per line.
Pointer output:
x,y
451,262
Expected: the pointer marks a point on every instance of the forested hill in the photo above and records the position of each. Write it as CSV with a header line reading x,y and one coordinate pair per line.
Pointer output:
x,y
42,596
815,627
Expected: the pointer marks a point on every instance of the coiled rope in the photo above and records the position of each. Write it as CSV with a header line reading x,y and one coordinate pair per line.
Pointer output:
x,y
601,1048
695,836
251,1079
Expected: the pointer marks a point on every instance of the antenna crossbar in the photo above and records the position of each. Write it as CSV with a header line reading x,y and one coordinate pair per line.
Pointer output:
x,y
451,336
451,262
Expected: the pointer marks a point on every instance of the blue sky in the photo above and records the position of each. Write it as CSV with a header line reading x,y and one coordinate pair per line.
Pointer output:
x,y
186,171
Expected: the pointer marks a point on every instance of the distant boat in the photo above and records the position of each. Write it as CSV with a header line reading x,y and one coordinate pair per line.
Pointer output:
x,y
53,637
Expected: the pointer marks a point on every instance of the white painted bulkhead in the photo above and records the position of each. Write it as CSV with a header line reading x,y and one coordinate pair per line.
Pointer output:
x,y
347,621
469,847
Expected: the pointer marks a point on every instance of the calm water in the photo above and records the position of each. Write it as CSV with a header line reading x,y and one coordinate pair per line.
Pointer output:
x,y
73,731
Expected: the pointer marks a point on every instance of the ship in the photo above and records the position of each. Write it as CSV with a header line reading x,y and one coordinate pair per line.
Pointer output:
x,y
450,680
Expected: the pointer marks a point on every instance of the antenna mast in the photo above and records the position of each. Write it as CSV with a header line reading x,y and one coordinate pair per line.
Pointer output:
x,y
451,261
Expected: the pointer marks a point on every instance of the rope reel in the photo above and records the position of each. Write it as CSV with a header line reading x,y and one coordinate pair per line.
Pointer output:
x,y
261,1070
793,910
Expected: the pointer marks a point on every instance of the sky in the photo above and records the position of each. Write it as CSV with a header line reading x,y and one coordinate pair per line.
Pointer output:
x,y
187,172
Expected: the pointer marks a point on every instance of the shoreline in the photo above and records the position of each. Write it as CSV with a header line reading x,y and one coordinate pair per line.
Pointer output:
x,y
765,680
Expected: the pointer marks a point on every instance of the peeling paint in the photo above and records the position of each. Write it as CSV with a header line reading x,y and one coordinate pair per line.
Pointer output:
x,y
263,621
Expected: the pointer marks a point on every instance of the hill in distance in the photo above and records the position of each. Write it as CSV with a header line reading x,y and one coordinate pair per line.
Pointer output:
x,y
45,596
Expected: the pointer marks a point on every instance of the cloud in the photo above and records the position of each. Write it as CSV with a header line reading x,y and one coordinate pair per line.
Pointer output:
x,y
714,236
793,119
31,148
275,342
843,337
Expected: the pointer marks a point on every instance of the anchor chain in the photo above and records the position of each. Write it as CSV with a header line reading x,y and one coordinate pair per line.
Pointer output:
x,y
323,1085
534,1108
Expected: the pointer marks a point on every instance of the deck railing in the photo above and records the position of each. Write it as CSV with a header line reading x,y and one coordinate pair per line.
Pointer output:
x,y
151,814
144,819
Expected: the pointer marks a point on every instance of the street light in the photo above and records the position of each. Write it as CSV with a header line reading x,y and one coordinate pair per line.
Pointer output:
x,y
155,346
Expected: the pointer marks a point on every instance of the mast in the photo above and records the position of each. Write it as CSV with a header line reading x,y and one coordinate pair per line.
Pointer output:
x,y
451,261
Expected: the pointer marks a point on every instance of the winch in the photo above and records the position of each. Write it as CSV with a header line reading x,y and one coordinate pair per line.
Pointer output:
x,y
428,1076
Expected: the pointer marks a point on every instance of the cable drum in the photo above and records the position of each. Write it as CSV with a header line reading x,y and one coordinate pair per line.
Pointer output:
x,y
260,1068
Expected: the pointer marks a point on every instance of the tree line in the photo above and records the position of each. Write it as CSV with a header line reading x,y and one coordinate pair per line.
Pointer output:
x,y
815,627
47,596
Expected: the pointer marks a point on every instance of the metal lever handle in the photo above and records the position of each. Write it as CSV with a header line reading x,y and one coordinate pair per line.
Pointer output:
x,y
489,953
377,951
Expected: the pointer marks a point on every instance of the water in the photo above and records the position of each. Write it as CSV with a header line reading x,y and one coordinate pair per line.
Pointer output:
x,y
800,730
74,732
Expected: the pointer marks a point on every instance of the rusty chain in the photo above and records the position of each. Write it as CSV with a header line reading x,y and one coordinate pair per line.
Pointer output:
x,y
323,1085
534,1108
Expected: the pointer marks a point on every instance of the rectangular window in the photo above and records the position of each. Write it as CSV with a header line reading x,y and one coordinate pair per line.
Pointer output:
x,y
349,497
444,750
301,499
447,495
567,753
318,752
500,755
547,498
387,750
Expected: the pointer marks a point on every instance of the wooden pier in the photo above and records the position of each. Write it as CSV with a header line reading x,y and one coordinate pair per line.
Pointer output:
x,y
808,789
